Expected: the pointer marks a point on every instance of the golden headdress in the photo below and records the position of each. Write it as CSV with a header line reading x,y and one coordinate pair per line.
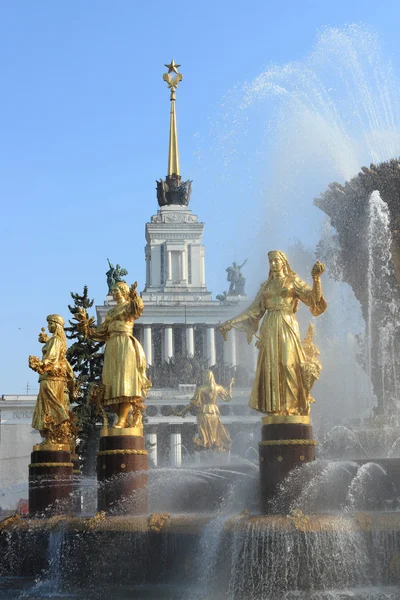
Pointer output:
x,y
56,319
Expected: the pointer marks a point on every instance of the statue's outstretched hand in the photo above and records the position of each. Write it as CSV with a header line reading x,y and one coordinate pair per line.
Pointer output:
x,y
224,328
317,270
43,337
132,292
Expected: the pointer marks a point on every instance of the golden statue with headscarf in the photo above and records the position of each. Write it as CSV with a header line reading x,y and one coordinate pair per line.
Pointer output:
x,y
124,381
56,379
211,434
286,369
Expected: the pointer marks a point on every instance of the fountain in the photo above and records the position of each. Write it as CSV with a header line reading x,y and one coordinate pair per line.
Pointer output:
x,y
293,525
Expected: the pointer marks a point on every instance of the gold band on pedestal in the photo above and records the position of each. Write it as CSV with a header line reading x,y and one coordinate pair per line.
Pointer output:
x,y
289,419
118,431
51,447
116,452
287,443
51,464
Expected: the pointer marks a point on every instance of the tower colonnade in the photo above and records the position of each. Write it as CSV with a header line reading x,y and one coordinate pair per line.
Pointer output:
x,y
185,340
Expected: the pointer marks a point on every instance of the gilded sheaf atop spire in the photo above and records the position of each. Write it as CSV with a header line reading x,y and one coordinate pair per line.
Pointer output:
x,y
173,190
173,78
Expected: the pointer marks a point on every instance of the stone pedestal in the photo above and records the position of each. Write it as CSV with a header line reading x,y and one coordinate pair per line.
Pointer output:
x,y
122,471
286,442
50,480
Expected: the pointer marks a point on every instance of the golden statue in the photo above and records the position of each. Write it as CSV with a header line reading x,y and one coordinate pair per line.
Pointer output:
x,y
56,378
124,381
285,369
212,435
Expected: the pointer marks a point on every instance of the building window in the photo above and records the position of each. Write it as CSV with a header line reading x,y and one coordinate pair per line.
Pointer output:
x,y
175,264
189,265
162,261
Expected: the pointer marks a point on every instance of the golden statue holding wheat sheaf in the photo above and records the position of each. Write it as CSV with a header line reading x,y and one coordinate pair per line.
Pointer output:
x,y
56,380
124,382
286,369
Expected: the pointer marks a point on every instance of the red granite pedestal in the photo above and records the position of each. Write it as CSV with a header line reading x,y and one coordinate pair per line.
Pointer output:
x,y
50,480
122,471
286,443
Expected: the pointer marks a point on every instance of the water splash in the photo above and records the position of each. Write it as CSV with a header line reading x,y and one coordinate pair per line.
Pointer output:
x,y
269,563
379,241
48,584
297,127
368,488
382,310
342,95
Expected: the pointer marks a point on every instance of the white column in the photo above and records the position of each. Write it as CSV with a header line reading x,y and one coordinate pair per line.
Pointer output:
x,y
148,256
180,266
190,340
230,349
202,268
151,439
183,265
168,344
211,346
147,344
169,265
176,449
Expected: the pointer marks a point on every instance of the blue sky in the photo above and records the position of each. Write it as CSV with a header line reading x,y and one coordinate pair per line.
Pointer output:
x,y
84,134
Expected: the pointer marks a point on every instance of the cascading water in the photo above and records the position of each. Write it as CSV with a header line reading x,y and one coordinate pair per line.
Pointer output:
x,y
383,314
318,548
299,126
48,584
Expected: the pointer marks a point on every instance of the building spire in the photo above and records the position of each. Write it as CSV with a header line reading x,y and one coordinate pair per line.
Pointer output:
x,y
173,78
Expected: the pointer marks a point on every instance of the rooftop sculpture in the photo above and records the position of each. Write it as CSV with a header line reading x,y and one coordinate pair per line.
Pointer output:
x,y
114,275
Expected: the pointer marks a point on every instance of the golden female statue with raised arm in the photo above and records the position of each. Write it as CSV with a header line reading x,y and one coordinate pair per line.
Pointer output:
x,y
56,378
284,373
124,380
212,435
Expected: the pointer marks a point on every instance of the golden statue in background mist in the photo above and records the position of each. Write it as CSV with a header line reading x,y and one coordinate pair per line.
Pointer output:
x,y
212,435
124,381
56,378
286,370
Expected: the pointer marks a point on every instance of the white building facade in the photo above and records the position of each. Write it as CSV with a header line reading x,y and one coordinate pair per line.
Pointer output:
x,y
16,441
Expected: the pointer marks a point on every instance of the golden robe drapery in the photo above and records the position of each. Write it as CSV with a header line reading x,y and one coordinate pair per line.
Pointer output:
x,y
212,435
52,405
124,371
278,387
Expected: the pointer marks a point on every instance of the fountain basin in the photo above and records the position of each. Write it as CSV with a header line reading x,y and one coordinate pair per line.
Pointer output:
x,y
254,556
